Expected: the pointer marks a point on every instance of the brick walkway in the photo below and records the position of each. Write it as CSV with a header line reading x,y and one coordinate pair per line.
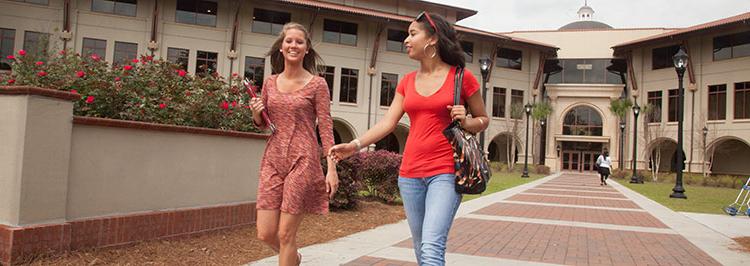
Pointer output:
x,y
487,233
566,219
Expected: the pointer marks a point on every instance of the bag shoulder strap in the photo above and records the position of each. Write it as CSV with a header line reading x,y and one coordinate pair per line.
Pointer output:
x,y
457,86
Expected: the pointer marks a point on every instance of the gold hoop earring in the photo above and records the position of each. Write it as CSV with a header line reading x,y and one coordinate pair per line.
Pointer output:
x,y
424,51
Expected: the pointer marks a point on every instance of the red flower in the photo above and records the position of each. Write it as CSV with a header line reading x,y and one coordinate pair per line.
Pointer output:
x,y
11,81
235,74
11,57
149,58
95,57
234,104
162,105
41,73
187,93
90,99
62,52
135,61
117,78
127,67
21,52
224,105
74,91
182,73
80,74
39,63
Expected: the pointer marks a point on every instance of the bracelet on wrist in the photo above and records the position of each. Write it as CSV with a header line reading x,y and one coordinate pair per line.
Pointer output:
x,y
357,143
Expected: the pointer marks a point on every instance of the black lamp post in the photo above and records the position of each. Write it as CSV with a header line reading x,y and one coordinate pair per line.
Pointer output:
x,y
680,63
622,143
484,67
527,109
636,111
705,152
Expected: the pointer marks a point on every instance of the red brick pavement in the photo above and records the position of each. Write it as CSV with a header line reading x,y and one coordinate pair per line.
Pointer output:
x,y
575,201
569,245
373,261
572,214
579,188
576,193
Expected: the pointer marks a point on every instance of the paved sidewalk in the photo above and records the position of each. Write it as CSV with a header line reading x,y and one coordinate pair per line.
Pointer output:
x,y
563,219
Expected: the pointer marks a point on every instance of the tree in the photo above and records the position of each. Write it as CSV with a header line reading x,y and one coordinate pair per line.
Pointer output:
x,y
540,111
620,108
651,134
516,110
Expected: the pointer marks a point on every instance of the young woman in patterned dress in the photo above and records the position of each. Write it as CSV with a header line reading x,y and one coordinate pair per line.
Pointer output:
x,y
427,174
291,181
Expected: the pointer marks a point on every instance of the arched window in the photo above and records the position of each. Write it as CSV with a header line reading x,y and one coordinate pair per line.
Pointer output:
x,y
582,121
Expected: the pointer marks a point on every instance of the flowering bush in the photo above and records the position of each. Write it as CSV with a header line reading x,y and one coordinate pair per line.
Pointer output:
x,y
349,185
379,173
145,89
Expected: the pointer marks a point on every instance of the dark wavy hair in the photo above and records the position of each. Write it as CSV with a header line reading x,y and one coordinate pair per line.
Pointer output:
x,y
311,61
449,48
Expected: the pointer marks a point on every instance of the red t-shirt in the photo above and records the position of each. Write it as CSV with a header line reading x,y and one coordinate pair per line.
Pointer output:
x,y
427,152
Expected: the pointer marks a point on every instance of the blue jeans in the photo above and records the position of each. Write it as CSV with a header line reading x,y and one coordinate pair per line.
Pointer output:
x,y
430,204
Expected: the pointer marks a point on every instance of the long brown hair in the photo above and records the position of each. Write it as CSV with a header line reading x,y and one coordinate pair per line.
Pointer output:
x,y
448,45
311,60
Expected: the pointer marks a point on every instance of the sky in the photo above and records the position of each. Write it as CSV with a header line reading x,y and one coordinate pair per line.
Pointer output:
x,y
516,15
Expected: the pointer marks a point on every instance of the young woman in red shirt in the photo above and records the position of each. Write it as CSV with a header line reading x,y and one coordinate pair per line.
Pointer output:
x,y
427,174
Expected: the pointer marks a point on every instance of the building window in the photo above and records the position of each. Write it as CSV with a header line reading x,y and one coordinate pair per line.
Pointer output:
x,y
339,32
119,7
254,69
509,58
717,102
654,101
328,75
388,84
672,105
125,52
35,42
395,41
198,12
348,92
94,47
468,48
742,100
662,57
732,46
582,121
39,2
516,101
7,40
269,21
498,102
178,56
205,62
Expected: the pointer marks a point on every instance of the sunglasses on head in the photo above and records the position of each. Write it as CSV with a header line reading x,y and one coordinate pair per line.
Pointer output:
x,y
429,19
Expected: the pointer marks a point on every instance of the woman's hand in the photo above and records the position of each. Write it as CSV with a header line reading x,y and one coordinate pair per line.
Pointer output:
x,y
342,151
458,113
332,182
256,105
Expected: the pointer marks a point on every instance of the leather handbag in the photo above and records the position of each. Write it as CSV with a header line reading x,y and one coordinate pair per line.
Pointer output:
x,y
472,167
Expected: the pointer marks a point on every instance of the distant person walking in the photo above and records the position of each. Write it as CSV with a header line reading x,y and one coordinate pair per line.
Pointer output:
x,y
427,175
291,179
604,163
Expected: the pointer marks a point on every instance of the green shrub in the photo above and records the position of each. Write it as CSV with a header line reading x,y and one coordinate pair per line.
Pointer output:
x,y
378,170
349,185
145,89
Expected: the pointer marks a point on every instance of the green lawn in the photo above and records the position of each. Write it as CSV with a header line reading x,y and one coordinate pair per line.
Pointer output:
x,y
699,199
502,181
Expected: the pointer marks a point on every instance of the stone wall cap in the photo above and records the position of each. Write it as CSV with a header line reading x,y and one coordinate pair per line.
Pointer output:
x,y
107,122
31,90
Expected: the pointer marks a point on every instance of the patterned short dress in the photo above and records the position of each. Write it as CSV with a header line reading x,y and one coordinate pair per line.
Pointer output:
x,y
291,177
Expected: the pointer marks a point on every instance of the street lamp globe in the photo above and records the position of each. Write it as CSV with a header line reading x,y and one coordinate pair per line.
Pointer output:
x,y
622,125
680,59
705,131
636,110
484,67
527,108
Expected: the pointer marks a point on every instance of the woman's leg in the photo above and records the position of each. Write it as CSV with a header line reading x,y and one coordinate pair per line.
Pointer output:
x,y
441,205
413,192
267,225
288,225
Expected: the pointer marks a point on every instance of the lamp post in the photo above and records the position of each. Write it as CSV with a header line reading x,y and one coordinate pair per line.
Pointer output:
x,y
636,111
527,109
680,63
622,143
705,152
484,67
542,148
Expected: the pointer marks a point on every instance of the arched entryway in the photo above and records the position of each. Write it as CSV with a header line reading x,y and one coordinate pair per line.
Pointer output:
x,y
582,142
499,147
343,132
661,155
395,141
730,156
